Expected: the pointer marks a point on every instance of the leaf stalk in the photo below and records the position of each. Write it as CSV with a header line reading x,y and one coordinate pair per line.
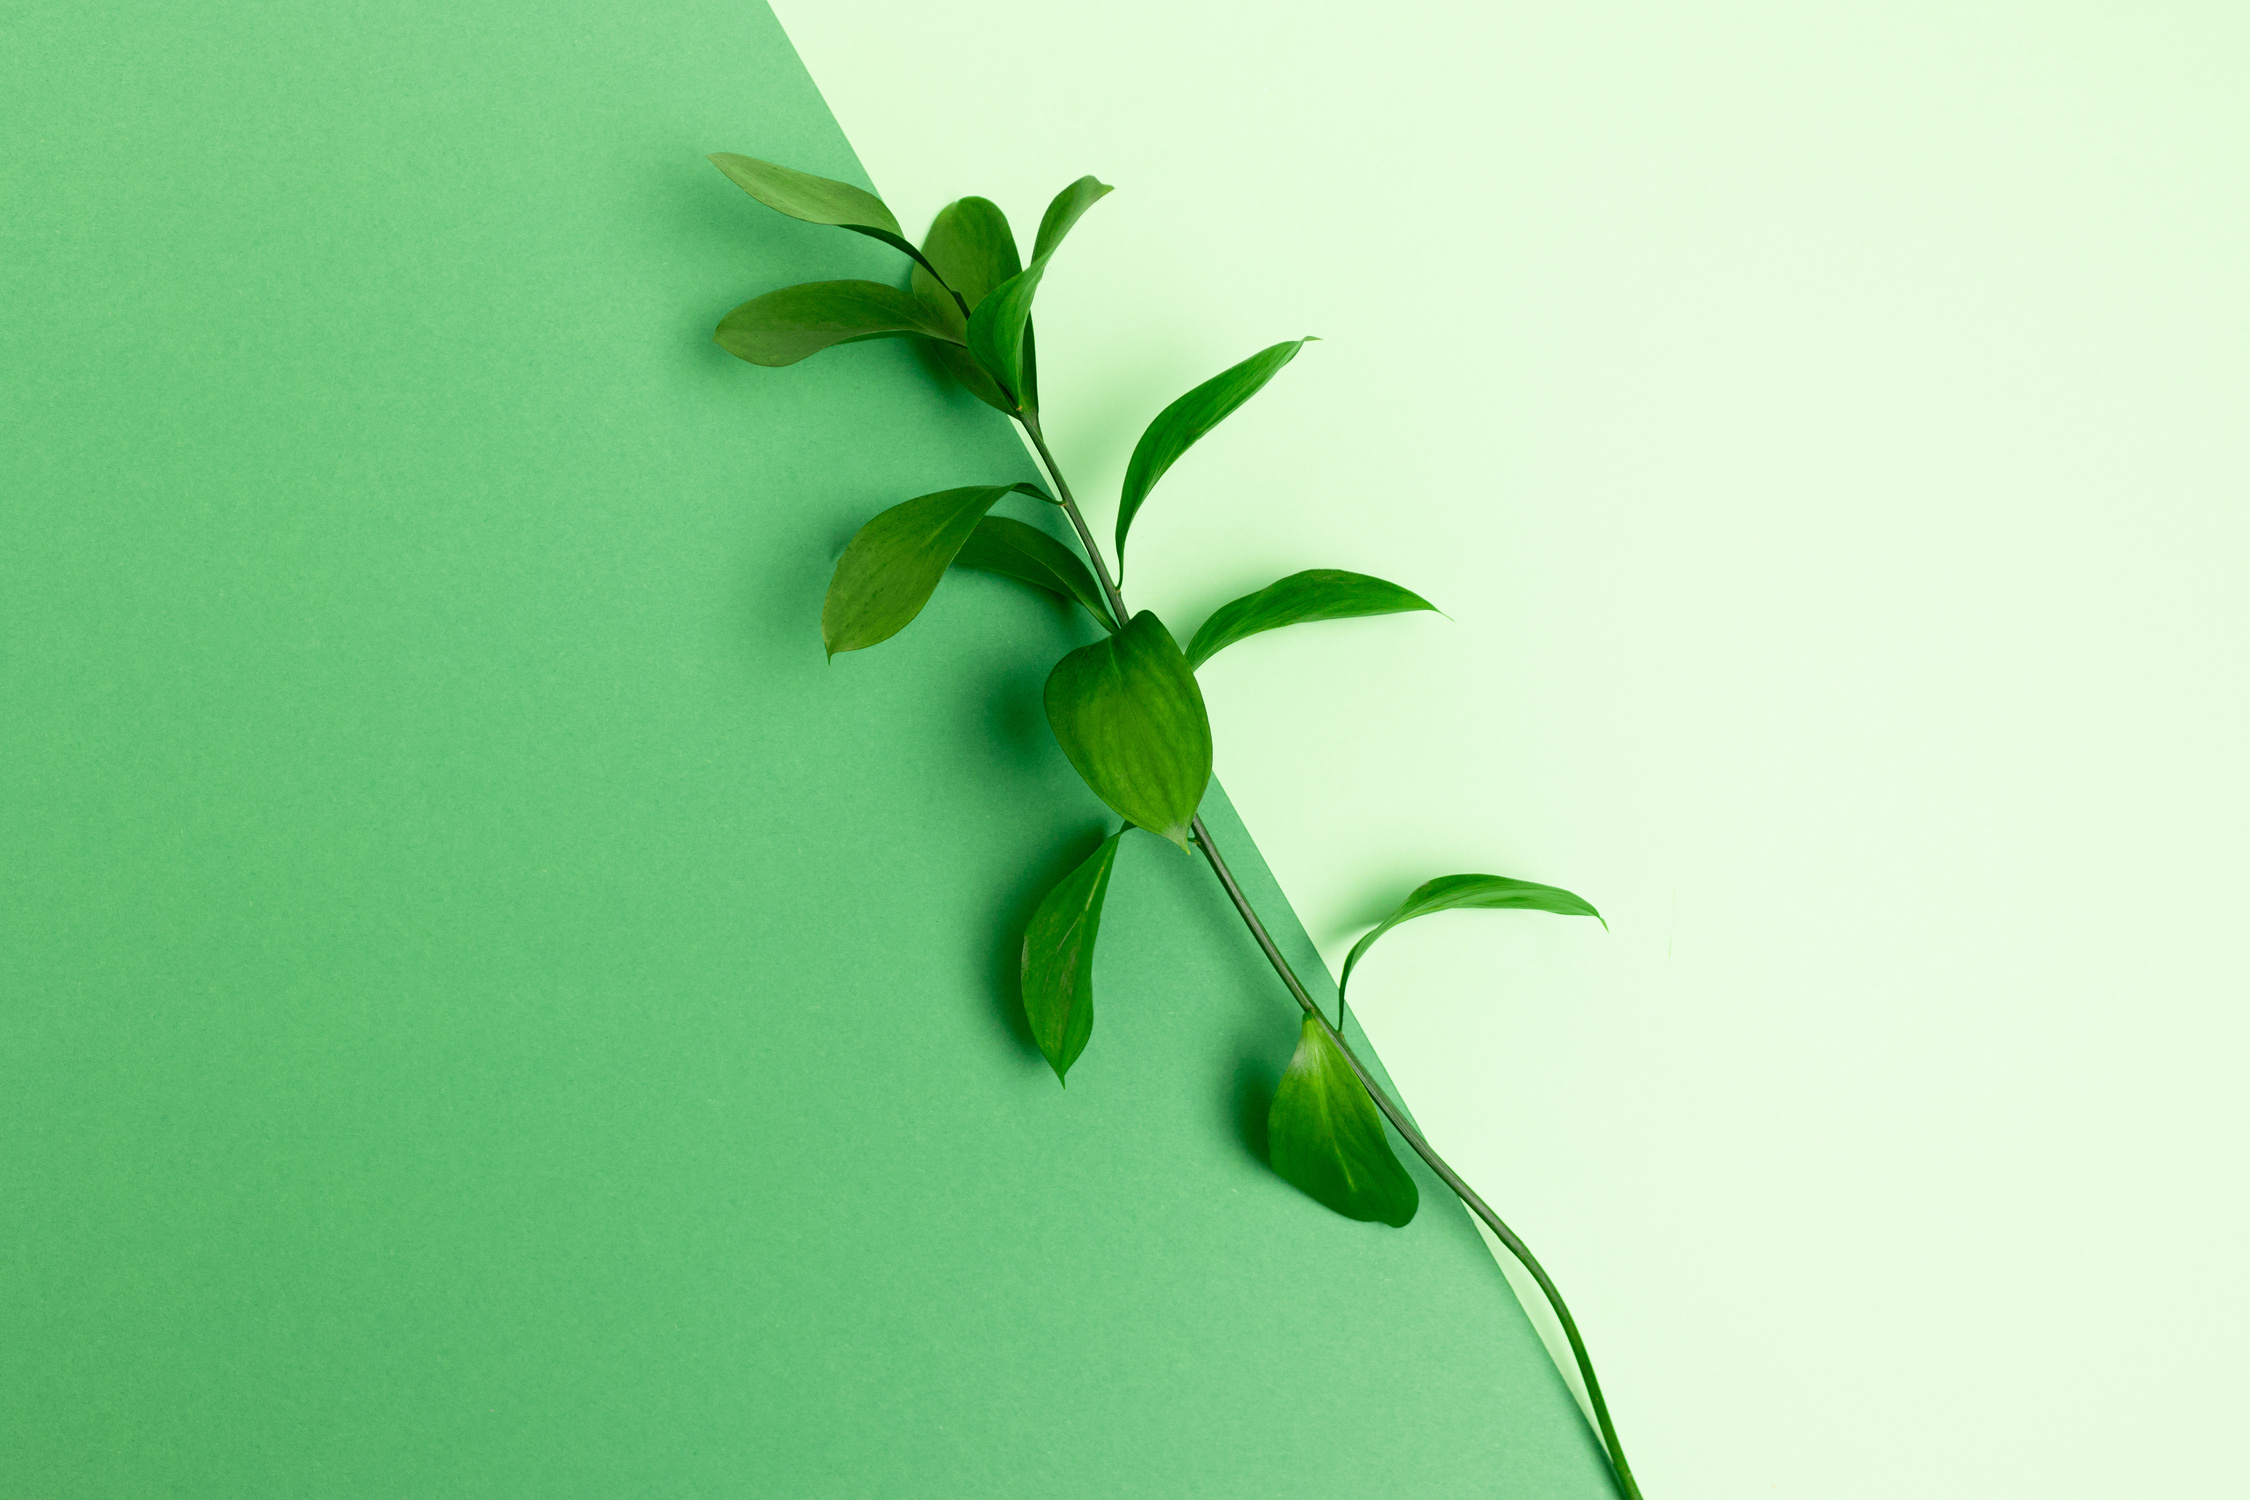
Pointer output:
x,y
1612,1448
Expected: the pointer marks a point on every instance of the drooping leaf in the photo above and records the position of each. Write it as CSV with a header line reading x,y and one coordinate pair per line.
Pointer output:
x,y
785,326
1069,205
1177,427
1315,594
1128,713
894,563
1482,892
1324,1135
816,200
1029,555
1058,958
999,334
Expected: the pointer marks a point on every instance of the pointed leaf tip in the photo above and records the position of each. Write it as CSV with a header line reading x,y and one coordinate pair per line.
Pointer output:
x,y
1472,892
895,562
1058,959
796,322
1323,1135
1178,427
1129,715
1315,594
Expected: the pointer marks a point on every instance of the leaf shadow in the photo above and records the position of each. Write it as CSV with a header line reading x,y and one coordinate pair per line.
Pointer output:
x,y
1255,1080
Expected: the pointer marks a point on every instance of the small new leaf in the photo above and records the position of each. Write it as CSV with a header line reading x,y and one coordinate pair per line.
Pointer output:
x,y
1128,713
996,330
1029,555
1316,594
1058,958
816,200
1177,427
1324,1135
894,563
1481,892
999,333
785,326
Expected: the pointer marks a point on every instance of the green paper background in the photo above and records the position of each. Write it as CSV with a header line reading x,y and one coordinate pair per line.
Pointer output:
x,y
487,1011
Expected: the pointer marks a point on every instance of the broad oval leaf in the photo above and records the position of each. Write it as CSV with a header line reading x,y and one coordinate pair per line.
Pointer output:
x,y
1058,958
972,248
1315,594
1480,892
894,563
1177,427
816,200
1069,205
785,326
1324,1135
1128,713
1028,555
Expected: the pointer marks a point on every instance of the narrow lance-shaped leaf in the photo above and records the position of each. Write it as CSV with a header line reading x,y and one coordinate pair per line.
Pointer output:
x,y
894,563
816,200
1028,555
998,326
1058,958
785,326
1481,892
1068,207
1177,427
1128,713
1316,594
1324,1135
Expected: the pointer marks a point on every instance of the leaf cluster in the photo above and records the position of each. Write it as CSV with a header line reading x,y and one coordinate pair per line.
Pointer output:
x,y
1126,709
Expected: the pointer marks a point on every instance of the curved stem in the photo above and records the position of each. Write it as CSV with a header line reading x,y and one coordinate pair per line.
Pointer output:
x,y
1391,1111
1029,421
1422,1148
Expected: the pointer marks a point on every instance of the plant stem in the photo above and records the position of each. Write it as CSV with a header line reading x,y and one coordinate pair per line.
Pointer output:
x,y
1391,1111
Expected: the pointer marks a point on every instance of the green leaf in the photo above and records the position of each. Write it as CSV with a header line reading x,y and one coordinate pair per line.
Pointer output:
x,y
1316,594
1128,713
894,563
1029,555
972,248
1069,205
999,333
1178,426
997,330
1324,1135
816,200
1481,892
783,327
1058,958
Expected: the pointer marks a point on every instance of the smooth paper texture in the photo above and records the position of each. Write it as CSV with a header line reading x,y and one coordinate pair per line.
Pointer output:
x,y
485,1008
